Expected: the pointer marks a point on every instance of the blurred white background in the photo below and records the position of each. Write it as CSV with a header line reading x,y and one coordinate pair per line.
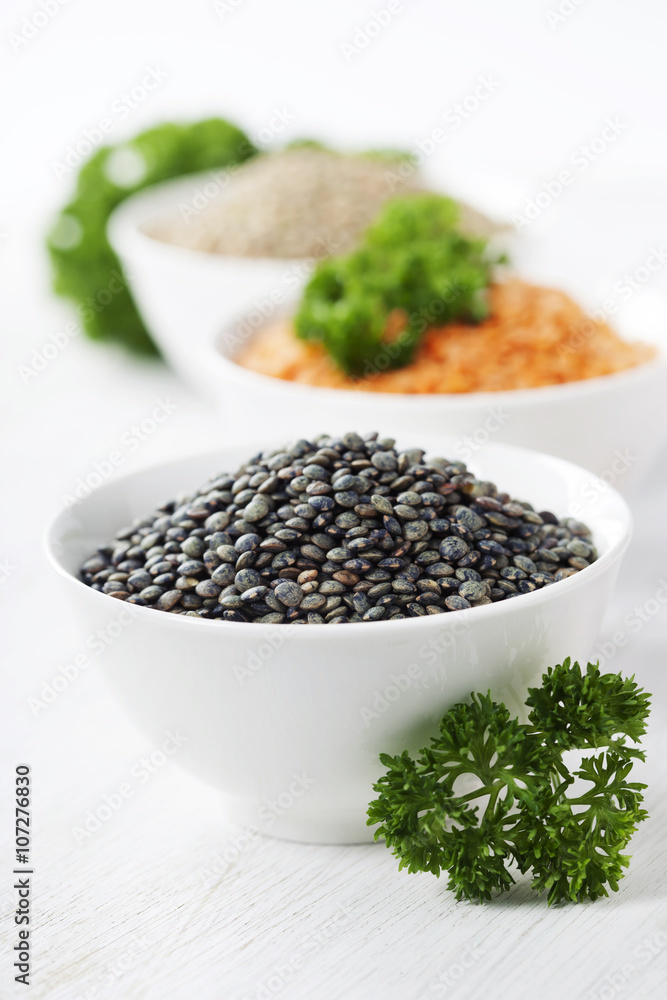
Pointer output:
x,y
562,69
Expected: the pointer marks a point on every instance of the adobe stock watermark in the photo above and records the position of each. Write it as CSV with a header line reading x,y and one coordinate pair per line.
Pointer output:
x,y
49,351
430,653
265,306
121,108
561,12
451,120
32,24
277,123
217,181
628,975
283,972
579,162
204,194
268,814
412,326
58,341
366,32
95,643
447,980
631,282
632,623
130,441
384,698
7,569
622,461
495,419
634,280
258,657
224,7
140,773
429,314
119,965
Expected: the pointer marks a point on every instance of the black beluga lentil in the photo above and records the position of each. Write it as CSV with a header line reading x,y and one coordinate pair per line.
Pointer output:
x,y
338,530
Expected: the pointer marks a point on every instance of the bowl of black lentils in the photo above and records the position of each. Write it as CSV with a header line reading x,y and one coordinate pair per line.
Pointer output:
x,y
218,584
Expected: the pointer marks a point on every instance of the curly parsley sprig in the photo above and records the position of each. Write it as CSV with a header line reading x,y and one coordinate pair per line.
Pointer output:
x,y
490,791
85,268
414,267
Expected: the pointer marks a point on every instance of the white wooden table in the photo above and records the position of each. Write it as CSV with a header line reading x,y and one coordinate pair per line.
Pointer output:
x,y
166,901
169,900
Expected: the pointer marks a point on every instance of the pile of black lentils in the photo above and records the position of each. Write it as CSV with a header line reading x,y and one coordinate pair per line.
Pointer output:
x,y
338,530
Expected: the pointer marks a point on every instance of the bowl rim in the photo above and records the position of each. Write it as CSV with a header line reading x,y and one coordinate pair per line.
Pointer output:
x,y
128,240
438,400
126,236
52,542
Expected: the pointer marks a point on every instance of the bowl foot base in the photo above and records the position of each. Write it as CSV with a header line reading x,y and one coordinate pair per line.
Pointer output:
x,y
305,826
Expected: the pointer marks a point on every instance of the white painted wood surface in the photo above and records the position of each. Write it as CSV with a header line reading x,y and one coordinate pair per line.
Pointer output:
x,y
138,910
166,901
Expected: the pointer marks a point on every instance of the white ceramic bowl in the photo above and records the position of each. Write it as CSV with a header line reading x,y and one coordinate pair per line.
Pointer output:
x,y
186,296
288,721
192,300
613,425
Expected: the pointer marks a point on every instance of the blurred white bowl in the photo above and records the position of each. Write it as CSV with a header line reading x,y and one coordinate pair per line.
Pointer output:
x,y
288,721
192,301
613,425
186,296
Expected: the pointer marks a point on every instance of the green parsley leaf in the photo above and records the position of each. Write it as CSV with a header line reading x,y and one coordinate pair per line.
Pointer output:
x,y
85,268
414,266
491,791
